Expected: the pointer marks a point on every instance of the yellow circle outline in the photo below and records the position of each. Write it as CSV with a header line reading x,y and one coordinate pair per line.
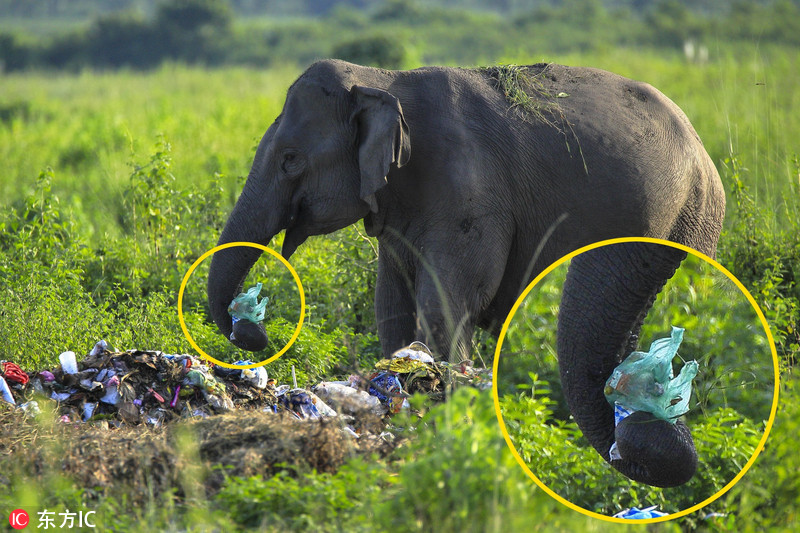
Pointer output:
x,y
231,245
519,458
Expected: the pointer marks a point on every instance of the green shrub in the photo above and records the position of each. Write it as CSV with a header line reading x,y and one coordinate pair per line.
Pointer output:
x,y
560,457
377,51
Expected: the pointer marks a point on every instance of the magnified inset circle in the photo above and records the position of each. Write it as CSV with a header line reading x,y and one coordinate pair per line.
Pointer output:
x,y
263,248
664,333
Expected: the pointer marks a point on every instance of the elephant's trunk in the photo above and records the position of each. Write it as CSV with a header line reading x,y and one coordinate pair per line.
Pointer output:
x,y
607,294
229,267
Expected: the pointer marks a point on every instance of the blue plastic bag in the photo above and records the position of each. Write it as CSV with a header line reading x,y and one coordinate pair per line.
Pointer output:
x,y
638,514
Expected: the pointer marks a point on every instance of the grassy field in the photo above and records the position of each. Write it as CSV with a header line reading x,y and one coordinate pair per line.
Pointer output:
x,y
145,167
213,119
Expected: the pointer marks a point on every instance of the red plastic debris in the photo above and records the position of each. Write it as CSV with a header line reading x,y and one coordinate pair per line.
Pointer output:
x,y
12,372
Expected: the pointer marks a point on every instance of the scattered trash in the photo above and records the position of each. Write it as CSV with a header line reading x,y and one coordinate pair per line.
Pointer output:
x,y
644,381
99,347
302,404
137,386
246,305
638,514
114,389
387,388
30,408
257,376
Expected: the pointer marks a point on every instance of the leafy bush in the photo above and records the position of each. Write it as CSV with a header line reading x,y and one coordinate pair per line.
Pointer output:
x,y
312,501
377,51
766,258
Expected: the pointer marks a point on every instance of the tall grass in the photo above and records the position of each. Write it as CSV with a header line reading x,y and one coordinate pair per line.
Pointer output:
x,y
90,127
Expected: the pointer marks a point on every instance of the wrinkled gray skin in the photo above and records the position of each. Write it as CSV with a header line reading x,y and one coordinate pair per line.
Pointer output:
x,y
470,199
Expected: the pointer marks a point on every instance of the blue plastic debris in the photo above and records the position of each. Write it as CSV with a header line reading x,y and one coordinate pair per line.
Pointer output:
x,y
299,403
387,388
638,514
5,392
257,376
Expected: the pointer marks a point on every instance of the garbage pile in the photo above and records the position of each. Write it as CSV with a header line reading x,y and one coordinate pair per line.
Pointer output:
x,y
152,388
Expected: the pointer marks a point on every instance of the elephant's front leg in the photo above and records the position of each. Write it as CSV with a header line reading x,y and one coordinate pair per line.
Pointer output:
x,y
395,310
454,284
444,320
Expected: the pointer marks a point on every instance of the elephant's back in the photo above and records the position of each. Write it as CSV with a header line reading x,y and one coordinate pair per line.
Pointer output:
x,y
616,112
634,142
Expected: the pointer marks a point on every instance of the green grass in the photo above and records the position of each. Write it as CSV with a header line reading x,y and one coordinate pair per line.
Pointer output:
x,y
90,127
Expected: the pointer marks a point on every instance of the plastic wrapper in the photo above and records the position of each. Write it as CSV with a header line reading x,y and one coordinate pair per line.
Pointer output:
x,y
415,351
99,347
387,388
644,381
247,307
88,410
31,408
300,403
347,399
13,373
402,365
256,377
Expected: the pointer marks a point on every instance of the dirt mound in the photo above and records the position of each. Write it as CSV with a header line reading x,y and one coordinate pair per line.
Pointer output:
x,y
142,462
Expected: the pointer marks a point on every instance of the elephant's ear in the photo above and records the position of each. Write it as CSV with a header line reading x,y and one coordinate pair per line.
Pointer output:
x,y
382,138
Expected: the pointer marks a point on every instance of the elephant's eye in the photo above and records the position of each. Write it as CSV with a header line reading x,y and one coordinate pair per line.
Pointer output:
x,y
291,164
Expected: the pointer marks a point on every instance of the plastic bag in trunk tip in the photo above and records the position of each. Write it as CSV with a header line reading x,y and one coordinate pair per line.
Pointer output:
x,y
644,381
246,305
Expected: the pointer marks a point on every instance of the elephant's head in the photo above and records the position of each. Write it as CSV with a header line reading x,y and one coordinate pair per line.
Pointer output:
x,y
317,169
606,297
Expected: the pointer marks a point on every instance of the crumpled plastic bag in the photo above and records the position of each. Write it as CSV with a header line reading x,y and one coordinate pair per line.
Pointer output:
x,y
304,404
13,373
644,381
347,399
246,306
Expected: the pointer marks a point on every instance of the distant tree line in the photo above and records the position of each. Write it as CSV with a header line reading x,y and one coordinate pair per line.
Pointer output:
x,y
83,8
378,32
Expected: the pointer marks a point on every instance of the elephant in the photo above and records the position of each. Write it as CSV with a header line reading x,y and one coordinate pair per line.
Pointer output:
x,y
511,169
